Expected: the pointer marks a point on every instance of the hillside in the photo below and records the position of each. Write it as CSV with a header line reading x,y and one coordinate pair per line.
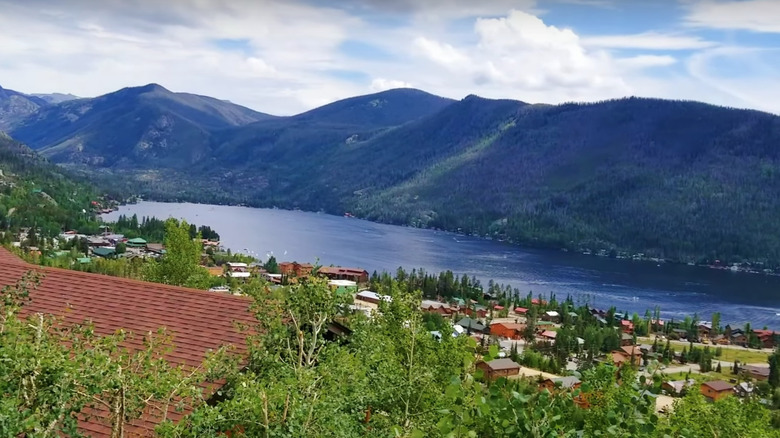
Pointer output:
x,y
34,192
15,106
680,180
138,126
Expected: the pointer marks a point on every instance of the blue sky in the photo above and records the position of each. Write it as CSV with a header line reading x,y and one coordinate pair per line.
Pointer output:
x,y
284,57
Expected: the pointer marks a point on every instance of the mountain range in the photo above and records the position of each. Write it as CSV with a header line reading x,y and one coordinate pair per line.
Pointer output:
x,y
675,179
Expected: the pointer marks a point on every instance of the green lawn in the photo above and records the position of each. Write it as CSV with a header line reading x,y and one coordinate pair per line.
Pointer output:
x,y
744,355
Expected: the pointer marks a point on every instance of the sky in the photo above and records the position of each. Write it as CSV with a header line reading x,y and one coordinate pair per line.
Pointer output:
x,y
286,56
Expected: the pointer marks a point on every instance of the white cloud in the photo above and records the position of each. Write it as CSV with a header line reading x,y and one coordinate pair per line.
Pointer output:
x,y
753,15
647,41
382,84
288,52
520,55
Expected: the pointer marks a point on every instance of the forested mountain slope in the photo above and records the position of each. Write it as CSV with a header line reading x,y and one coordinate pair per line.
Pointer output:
x,y
139,126
680,180
34,192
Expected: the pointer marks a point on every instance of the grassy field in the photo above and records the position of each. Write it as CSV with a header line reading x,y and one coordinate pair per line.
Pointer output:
x,y
700,378
744,355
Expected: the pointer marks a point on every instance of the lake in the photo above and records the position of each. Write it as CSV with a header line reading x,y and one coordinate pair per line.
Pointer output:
x,y
300,236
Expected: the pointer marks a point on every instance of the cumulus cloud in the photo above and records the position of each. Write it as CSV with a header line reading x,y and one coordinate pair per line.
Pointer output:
x,y
752,15
520,54
280,56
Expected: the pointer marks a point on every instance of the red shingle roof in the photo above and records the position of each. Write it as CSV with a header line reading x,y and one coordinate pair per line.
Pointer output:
x,y
719,385
198,321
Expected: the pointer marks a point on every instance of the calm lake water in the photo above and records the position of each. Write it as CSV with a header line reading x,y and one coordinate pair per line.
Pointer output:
x,y
634,286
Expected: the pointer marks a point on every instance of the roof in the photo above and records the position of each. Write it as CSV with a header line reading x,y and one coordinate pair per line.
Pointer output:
x,y
367,294
502,364
510,325
344,283
679,385
338,270
567,382
520,310
551,313
631,350
549,334
719,385
759,371
104,251
199,321
137,241
470,323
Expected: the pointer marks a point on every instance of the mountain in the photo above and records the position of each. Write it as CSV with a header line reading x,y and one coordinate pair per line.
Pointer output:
x,y
15,106
673,179
388,108
137,126
55,98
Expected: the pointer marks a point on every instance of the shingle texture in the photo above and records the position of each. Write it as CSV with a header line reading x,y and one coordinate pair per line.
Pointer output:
x,y
199,321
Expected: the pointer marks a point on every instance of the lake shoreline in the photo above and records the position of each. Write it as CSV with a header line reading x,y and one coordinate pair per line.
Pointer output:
x,y
291,235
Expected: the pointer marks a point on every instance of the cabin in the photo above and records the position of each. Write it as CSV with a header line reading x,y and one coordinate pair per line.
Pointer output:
x,y
105,252
499,368
521,310
471,325
677,387
551,316
766,337
357,275
372,297
568,383
626,339
755,372
627,326
295,269
548,335
716,390
431,306
507,330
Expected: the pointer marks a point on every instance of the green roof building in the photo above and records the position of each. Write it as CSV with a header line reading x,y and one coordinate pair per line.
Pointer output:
x,y
104,252
136,243
84,260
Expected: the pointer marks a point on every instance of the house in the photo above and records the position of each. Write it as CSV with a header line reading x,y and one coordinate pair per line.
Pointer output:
x,y
521,310
198,321
372,297
755,372
744,389
498,308
338,273
766,337
626,355
551,316
716,389
627,326
738,337
704,329
97,241
626,339
238,270
105,252
507,330
569,382
499,368
634,352
471,325
676,387
431,306
136,243
295,269
538,302
548,335
476,311
682,334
